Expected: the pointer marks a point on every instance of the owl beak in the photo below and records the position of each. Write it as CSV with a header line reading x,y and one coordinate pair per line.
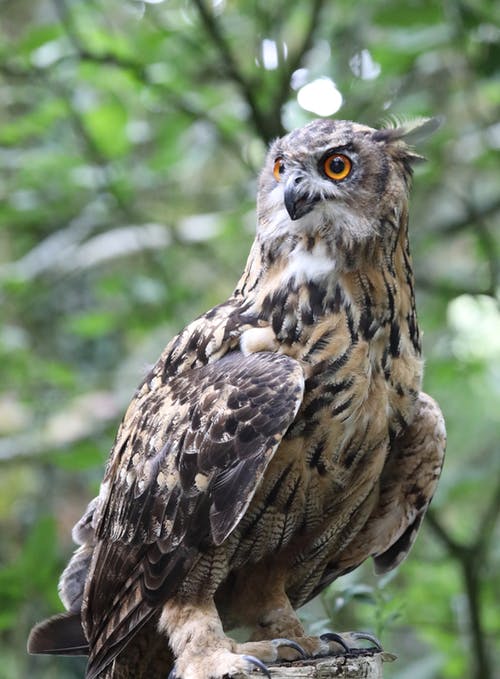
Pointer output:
x,y
297,201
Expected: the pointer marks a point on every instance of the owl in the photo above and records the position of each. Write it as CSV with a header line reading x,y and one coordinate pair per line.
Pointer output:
x,y
281,439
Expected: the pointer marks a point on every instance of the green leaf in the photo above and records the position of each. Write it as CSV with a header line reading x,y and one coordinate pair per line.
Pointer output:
x,y
92,324
33,123
106,126
85,455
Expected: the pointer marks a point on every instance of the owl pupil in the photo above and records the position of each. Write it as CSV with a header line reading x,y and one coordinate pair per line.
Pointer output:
x,y
337,165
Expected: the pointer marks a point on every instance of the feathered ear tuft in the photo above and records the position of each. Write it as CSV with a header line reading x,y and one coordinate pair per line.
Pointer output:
x,y
411,131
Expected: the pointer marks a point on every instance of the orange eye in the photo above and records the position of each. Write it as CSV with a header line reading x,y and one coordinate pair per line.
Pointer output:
x,y
279,168
337,166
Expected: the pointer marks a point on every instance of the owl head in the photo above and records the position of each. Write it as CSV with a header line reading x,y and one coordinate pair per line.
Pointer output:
x,y
337,176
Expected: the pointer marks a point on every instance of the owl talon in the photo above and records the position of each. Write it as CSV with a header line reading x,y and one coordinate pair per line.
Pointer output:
x,y
348,641
333,636
290,644
368,637
258,664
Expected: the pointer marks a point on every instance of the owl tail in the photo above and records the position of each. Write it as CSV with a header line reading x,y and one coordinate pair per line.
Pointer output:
x,y
59,635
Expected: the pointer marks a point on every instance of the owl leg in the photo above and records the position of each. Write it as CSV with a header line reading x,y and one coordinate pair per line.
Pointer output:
x,y
201,648
281,624
261,602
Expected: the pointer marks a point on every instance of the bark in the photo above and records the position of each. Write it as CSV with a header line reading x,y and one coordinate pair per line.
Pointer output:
x,y
366,666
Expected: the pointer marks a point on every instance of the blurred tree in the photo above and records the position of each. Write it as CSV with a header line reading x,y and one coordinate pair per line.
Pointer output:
x,y
130,137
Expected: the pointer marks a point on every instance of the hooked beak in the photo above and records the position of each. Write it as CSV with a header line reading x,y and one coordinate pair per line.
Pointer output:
x,y
297,202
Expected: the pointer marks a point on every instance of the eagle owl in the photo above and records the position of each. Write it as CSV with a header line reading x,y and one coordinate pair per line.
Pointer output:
x,y
281,439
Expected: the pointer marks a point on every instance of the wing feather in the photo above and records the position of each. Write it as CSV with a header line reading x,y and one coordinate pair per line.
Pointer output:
x,y
188,459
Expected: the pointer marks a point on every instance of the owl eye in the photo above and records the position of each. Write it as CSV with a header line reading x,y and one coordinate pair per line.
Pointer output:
x,y
279,168
337,166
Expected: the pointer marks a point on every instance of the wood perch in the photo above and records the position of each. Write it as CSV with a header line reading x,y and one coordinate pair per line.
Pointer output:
x,y
363,666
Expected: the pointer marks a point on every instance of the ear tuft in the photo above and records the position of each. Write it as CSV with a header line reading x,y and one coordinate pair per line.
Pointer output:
x,y
410,131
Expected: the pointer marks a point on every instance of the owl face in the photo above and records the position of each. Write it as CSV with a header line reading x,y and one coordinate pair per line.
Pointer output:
x,y
333,175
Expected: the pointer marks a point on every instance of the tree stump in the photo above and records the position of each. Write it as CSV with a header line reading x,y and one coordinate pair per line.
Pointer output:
x,y
360,666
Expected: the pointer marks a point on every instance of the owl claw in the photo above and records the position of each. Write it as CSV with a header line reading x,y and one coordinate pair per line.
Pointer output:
x,y
369,637
333,636
290,644
345,640
172,674
258,664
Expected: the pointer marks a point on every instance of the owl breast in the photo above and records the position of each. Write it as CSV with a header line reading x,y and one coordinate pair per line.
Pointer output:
x,y
320,487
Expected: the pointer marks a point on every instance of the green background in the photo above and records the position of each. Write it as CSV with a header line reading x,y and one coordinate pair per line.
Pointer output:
x,y
131,135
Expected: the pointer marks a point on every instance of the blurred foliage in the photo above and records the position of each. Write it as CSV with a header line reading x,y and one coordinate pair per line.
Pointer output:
x,y
131,134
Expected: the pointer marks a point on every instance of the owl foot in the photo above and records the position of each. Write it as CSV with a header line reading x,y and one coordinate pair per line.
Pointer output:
x,y
255,654
246,658
274,650
327,644
217,665
203,651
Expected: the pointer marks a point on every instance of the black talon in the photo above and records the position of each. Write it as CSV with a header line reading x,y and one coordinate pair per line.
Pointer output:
x,y
333,636
258,663
172,674
368,637
291,644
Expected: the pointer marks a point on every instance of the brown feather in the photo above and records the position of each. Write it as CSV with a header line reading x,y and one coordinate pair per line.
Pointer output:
x,y
60,635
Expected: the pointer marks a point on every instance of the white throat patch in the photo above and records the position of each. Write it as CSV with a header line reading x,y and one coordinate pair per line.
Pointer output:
x,y
308,265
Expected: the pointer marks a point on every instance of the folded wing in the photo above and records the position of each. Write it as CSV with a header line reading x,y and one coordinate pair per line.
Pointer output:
x,y
188,459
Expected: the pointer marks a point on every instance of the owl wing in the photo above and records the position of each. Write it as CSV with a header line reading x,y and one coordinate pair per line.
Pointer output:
x,y
186,464
407,485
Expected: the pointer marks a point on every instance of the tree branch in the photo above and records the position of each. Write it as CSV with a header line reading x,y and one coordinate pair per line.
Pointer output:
x,y
455,548
229,64
470,574
489,247
488,524
473,213
450,290
469,558
295,60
